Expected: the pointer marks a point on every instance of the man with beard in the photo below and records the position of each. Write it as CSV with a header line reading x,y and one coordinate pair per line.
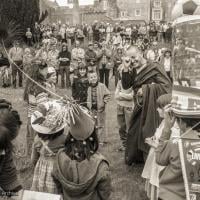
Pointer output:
x,y
148,84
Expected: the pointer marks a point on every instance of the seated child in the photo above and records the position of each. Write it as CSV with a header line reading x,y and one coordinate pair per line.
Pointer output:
x,y
49,125
80,170
171,183
98,97
151,169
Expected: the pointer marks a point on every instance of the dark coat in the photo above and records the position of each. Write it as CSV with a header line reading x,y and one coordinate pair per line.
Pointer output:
x,y
79,90
145,119
86,180
8,173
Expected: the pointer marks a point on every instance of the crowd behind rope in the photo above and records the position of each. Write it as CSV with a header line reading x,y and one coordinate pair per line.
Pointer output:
x,y
85,58
46,42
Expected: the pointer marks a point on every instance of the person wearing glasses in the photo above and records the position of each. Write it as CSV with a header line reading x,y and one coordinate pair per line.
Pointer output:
x,y
149,83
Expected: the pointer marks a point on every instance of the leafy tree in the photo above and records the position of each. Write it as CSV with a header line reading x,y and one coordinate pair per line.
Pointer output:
x,y
17,15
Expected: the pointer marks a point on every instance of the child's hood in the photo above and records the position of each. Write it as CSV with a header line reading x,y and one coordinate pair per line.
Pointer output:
x,y
77,177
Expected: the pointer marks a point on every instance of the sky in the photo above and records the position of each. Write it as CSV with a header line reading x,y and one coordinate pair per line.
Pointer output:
x,y
82,2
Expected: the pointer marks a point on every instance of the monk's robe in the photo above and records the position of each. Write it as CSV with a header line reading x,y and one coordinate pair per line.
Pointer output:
x,y
145,119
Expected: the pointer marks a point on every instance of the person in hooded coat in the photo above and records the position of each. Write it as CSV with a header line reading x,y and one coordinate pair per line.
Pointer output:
x,y
80,170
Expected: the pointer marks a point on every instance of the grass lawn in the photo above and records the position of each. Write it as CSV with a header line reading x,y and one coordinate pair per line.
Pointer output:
x,y
127,181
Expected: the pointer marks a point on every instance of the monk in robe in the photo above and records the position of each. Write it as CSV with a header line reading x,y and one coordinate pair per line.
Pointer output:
x,y
149,82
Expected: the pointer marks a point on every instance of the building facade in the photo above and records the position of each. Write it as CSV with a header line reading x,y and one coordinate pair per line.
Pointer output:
x,y
50,7
161,10
135,9
102,10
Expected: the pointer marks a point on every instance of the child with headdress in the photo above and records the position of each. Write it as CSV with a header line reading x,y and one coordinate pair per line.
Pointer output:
x,y
151,169
81,171
48,121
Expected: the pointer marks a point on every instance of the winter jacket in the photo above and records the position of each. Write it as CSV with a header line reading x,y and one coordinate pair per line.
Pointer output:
x,y
79,90
103,96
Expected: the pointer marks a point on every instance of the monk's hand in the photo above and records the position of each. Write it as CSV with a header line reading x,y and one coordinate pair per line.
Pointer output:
x,y
140,92
168,117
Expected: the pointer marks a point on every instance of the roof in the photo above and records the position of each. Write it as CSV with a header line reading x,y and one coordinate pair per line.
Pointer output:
x,y
186,18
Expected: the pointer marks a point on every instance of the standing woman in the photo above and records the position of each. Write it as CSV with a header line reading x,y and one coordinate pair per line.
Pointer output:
x,y
33,95
64,58
9,127
166,62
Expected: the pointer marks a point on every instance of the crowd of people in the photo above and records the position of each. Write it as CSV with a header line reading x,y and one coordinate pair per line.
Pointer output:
x,y
70,163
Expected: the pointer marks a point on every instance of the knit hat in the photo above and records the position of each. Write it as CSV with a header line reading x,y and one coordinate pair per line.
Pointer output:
x,y
82,124
50,117
186,101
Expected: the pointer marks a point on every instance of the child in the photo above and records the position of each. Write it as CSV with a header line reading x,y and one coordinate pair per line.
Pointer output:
x,y
98,97
80,86
171,183
125,105
80,169
49,124
29,36
9,127
151,169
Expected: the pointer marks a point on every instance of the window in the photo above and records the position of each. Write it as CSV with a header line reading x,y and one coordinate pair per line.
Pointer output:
x,y
123,13
105,5
138,12
157,14
157,3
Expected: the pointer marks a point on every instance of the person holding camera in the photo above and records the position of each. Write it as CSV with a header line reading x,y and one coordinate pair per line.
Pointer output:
x,y
150,82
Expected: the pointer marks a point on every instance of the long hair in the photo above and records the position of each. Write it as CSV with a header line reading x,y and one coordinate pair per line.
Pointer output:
x,y
31,87
81,150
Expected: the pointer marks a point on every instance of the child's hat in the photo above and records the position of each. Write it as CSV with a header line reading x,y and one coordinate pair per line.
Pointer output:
x,y
50,117
82,124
